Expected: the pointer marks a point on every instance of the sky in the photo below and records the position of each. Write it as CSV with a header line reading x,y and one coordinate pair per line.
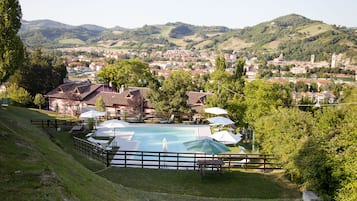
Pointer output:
x,y
229,13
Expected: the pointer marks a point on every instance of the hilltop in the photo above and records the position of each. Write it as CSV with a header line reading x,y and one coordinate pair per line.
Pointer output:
x,y
296,36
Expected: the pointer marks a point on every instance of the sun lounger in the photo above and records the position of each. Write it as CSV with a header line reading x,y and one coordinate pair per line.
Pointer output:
x,y
193,121
101,142
76,129
167,121
240,163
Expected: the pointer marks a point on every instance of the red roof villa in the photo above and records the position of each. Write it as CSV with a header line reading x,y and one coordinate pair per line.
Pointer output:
x,y
72,98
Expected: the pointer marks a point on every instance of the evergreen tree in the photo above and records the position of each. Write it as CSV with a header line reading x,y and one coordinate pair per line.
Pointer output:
x,y
40,74
220,63
239,70
11,47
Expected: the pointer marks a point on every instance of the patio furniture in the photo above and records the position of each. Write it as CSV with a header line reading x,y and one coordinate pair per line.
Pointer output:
x,y
193,121
241,163
167,121
76,129
215,164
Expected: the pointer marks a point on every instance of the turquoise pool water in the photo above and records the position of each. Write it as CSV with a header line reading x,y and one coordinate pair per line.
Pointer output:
x,y
151,138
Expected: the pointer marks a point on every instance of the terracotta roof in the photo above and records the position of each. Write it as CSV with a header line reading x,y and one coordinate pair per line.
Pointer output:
x,y
324,81
111,99
278,80
195,97
73,90
196,100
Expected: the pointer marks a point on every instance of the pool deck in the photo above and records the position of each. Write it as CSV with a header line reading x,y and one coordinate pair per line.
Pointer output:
x,y
123,139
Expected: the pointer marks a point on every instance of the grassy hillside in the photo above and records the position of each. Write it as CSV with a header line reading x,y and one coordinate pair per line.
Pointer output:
x,y
33,168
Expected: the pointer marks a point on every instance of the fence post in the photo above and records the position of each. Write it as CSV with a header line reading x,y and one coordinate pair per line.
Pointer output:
x,y
264,161
107,153
142,159
246,160
159,160
177,159
125,159
194,161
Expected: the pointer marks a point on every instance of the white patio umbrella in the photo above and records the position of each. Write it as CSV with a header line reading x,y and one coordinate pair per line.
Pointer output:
x,y
216,110
226,137
114,123
92,114
220,121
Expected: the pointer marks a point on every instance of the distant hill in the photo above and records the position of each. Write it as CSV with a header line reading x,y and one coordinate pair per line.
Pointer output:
x,y
294,35
42,24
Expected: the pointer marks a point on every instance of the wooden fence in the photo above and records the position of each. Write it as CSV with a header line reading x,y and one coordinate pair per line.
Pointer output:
x,y
53,123
172,160
186,160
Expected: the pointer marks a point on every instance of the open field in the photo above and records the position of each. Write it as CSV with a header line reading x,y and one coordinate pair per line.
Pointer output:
x,y
315,29
234,43
74,41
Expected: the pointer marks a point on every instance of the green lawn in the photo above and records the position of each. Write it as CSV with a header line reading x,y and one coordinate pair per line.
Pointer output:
x,y
32,167
231,184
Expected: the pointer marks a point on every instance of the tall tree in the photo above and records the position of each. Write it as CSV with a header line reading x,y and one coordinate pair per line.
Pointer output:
x,y
11,47
219,83
100,104
239,70
220,63
40,73
262,97
172,97
227,90
132,72
284,132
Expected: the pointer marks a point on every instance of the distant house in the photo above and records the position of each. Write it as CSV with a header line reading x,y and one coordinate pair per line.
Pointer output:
x,y
72,98
68,97
126,102
251,71
298,70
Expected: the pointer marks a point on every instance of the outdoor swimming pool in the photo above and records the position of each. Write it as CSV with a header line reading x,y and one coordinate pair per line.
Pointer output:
x,y
150,137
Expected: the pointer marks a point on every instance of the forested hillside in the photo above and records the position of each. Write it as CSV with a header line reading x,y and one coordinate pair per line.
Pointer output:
x,y
296,36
